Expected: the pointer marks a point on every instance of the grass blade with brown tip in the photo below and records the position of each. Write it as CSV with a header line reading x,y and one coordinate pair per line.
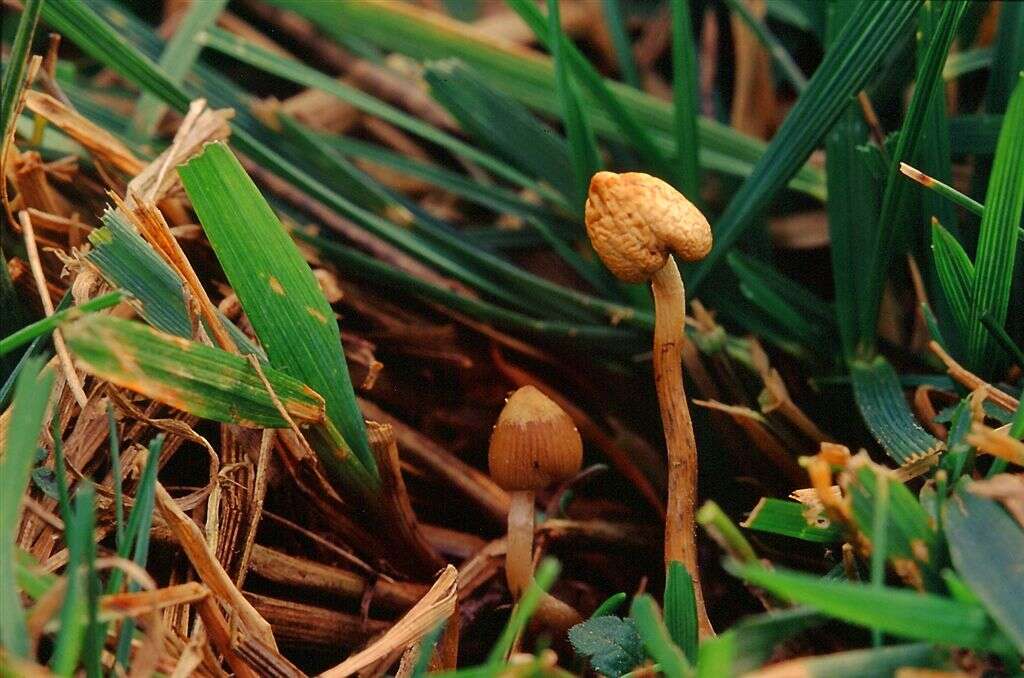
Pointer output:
x,y
204,381
275,285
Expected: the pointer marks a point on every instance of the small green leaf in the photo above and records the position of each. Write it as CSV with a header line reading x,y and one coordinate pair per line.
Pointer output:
x,y
611,644
45,479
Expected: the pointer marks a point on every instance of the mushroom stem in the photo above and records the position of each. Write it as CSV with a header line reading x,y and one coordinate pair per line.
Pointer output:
x,y
519,550
680,527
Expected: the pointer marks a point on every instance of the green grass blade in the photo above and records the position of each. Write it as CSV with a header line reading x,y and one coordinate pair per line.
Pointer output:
x,y
115,473
891,216
880,400
615,23
879,545
1007,57
362,266
852,215
498,122
204,381
46,325
645,613
955,274
295,71
95,634
997,240
588,76
863,42
275,286
942,189
805,15
19,449
681,610
98,39
586,159
529,78
177,59
777,516
1003,339
137,538
899,612
778,53
959,457
544,578
985,545
685,100
934,153
76,613
79,23
492,197
126,260
61,471
717,656
807,319
345,178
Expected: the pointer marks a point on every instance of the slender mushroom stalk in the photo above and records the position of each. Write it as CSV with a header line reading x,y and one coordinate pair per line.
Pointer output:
x,y
533,445
635,223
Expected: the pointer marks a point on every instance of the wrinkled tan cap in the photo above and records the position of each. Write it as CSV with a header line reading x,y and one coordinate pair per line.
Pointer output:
x,y
635,221
534,444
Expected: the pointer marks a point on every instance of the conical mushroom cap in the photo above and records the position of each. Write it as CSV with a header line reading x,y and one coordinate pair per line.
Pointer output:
x,y
534,444
635,220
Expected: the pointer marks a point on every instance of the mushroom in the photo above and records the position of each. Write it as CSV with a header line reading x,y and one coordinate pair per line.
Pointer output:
x,y
534,444
635,223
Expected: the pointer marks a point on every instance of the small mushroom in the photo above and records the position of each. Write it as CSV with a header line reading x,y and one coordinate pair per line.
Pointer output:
x,y
635,223
534,445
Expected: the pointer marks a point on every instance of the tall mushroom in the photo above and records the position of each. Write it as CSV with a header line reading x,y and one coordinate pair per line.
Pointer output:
x,y
534,444
635,223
